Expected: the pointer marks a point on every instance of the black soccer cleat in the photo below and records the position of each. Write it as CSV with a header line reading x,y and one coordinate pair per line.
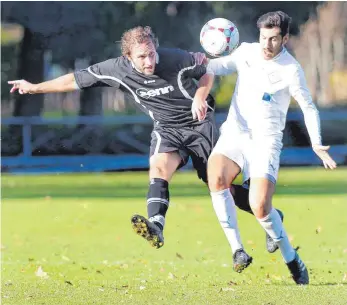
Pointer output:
x,y
271,246
241,260
148,230
298,270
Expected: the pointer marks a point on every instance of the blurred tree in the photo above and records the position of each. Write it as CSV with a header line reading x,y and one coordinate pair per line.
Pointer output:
x,y
92,30
11,36
321,50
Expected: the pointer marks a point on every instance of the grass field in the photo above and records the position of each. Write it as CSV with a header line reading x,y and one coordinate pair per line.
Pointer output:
x,y
77,229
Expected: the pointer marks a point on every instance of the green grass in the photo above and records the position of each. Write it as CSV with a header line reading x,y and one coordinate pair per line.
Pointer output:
x,y
77,228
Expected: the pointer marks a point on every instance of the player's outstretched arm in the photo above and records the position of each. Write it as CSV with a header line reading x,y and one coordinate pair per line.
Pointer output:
x,y
301,94
322,152
63,83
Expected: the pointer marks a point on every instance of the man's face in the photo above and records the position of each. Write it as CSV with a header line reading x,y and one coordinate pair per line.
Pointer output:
x,y
143,56
271,42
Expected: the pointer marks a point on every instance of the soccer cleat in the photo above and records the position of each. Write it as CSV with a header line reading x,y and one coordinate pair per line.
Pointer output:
x,y
298,270
148,230
241,260
271,246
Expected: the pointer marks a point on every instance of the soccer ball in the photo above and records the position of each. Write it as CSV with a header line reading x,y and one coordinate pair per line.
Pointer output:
x,y
219,37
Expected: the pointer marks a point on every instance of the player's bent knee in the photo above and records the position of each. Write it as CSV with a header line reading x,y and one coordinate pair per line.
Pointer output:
x,y
217,182
160,171
261,208
164,165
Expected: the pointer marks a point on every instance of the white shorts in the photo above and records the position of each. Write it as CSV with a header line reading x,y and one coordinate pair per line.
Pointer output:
x,y
256,158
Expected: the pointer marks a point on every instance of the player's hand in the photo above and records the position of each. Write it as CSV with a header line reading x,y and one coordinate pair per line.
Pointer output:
x,y
22,86
199,109
200,58
322,152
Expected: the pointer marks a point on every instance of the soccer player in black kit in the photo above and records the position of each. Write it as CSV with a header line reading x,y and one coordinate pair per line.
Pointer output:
x,y
161,83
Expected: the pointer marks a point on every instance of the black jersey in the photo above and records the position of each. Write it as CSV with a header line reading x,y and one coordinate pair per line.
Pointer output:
x,y
166,96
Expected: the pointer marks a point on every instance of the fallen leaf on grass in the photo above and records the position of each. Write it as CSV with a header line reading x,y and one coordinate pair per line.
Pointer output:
x,y
68,282
277,277
40,273
179,255
171,276
318,230
231,283
226,289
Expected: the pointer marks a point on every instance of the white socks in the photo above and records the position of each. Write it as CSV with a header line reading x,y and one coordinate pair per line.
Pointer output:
x,y
224,206
272,224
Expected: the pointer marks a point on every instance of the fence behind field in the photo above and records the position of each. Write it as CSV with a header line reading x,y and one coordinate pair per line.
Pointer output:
x,y
101,143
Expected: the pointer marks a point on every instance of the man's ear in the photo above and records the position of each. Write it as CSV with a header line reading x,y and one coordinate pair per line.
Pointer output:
x,y
285,39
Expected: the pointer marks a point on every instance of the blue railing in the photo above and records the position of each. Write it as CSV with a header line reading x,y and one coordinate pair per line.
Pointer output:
x,y
133,152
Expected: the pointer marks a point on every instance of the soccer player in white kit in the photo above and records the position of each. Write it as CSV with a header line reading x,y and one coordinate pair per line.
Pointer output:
x,y
251,138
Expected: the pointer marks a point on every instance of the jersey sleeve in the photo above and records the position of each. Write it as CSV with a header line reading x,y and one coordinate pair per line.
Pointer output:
x,y
189,66
299,91
226,64
103,74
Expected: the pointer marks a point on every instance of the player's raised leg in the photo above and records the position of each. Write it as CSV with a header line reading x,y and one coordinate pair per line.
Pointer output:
x,y
241,197
162,167
221,172
261,192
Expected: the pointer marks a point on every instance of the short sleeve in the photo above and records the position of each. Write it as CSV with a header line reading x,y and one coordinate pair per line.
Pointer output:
x,y
104,74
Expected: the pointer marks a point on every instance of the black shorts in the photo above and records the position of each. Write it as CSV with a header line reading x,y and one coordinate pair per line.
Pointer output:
x,y
196,142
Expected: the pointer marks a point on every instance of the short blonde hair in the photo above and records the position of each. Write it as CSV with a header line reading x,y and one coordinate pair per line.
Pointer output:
x,y
135,36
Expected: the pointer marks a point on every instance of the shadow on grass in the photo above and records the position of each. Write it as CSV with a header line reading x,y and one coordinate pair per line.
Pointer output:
x,y
139,190
329,284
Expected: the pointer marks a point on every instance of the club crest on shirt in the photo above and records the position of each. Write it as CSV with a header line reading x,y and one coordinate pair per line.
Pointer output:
x,y
274,77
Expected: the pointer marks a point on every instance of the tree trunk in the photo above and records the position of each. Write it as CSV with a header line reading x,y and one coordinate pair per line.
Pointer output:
x,y
30,68
90,102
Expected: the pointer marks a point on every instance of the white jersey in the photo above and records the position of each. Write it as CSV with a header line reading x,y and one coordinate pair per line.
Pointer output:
x,y
263,90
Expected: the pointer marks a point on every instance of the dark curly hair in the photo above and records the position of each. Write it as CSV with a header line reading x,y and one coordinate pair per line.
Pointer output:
x,y
137,35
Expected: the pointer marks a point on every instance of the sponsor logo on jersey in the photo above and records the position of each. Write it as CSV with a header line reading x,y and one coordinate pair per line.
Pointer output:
x,y
149,81
147,93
